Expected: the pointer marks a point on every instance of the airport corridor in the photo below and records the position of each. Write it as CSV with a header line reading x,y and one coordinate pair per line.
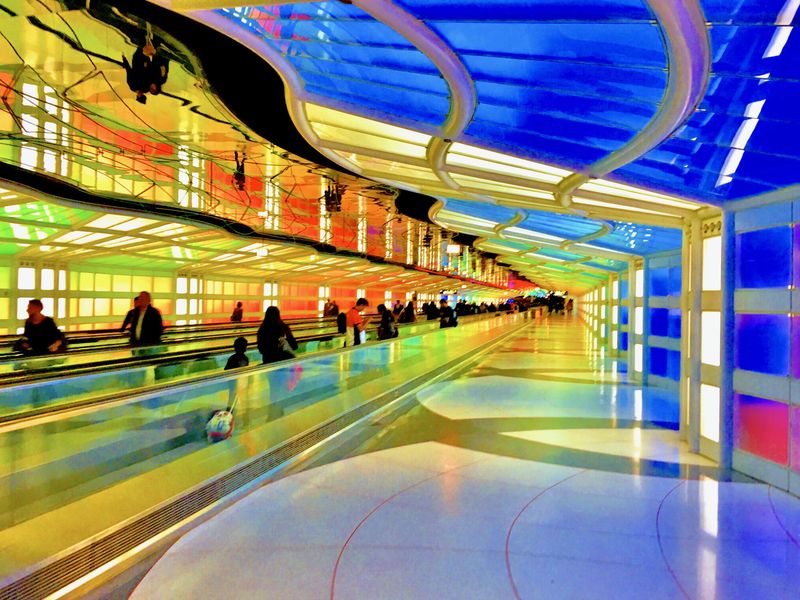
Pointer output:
x,y
536,472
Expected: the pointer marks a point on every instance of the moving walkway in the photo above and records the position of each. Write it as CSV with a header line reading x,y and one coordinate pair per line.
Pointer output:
x,y
97,482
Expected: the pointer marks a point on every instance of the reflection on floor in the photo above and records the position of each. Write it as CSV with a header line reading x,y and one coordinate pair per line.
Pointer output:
x,y
540,473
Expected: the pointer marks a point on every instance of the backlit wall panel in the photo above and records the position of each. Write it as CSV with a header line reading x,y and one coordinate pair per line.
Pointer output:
x,y
662,313
761,427
767,344
762,343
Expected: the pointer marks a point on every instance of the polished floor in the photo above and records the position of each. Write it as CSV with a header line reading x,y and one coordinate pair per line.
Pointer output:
x,y
539,472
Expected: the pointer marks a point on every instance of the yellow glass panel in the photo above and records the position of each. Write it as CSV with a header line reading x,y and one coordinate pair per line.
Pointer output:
x,y
5,277
162,285
228,288
253,289
73,306
500,188
241,289
86,282
73,280
120,306
121,283
142,283
86,307
165,306
102,307
4,308
102,282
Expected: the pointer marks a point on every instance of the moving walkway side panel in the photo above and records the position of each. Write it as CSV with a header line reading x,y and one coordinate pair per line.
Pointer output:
x,y
81,491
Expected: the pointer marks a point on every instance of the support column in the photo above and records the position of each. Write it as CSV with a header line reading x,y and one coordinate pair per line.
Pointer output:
x,y
695,314
645,320
632,376
685,375
726,340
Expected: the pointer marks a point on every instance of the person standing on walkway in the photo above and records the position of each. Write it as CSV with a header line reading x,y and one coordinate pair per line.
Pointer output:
x,y
42,335
237,314
275,339
147,325
356,324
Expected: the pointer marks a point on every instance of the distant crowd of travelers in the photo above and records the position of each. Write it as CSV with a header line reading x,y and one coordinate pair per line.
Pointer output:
x,y
274,337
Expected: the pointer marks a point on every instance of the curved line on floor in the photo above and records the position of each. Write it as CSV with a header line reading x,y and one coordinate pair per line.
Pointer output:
x,y
778,518
661,545
380,505
514,522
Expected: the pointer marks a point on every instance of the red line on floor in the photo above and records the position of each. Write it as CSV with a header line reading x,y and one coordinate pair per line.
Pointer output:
x,y
661,545
383,503
514,522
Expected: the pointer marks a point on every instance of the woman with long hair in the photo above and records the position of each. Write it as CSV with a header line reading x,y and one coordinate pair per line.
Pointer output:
x,y
275,339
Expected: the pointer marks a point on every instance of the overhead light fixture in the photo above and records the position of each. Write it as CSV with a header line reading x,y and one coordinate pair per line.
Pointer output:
x,y
453,248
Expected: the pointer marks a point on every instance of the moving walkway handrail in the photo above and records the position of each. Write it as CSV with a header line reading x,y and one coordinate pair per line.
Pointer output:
x,y
120,341
66,371
79,335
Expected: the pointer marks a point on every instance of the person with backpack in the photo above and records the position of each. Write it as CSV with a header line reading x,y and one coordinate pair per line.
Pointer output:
x,y
275,339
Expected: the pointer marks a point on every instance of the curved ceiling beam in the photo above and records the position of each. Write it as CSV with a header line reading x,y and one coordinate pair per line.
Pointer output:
x,y
606,227
463,97
689,62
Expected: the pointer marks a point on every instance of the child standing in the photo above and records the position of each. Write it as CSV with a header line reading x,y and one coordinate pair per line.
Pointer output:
x,y
238,358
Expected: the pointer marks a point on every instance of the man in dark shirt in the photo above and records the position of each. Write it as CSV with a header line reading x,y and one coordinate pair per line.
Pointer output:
x,y
147,326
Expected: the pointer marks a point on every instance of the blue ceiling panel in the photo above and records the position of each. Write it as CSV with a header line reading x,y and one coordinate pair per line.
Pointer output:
x,y
567,83
553,78
744,11
527,11
565,226
639,86
569,154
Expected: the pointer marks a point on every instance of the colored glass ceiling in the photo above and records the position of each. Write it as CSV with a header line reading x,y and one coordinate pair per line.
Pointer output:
x,y
569,83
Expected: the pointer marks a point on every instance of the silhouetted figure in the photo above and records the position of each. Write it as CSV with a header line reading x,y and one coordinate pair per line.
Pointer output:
x,y
275,339
146,72
42,335
237,314
238,358
147,326
238,174
387,329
